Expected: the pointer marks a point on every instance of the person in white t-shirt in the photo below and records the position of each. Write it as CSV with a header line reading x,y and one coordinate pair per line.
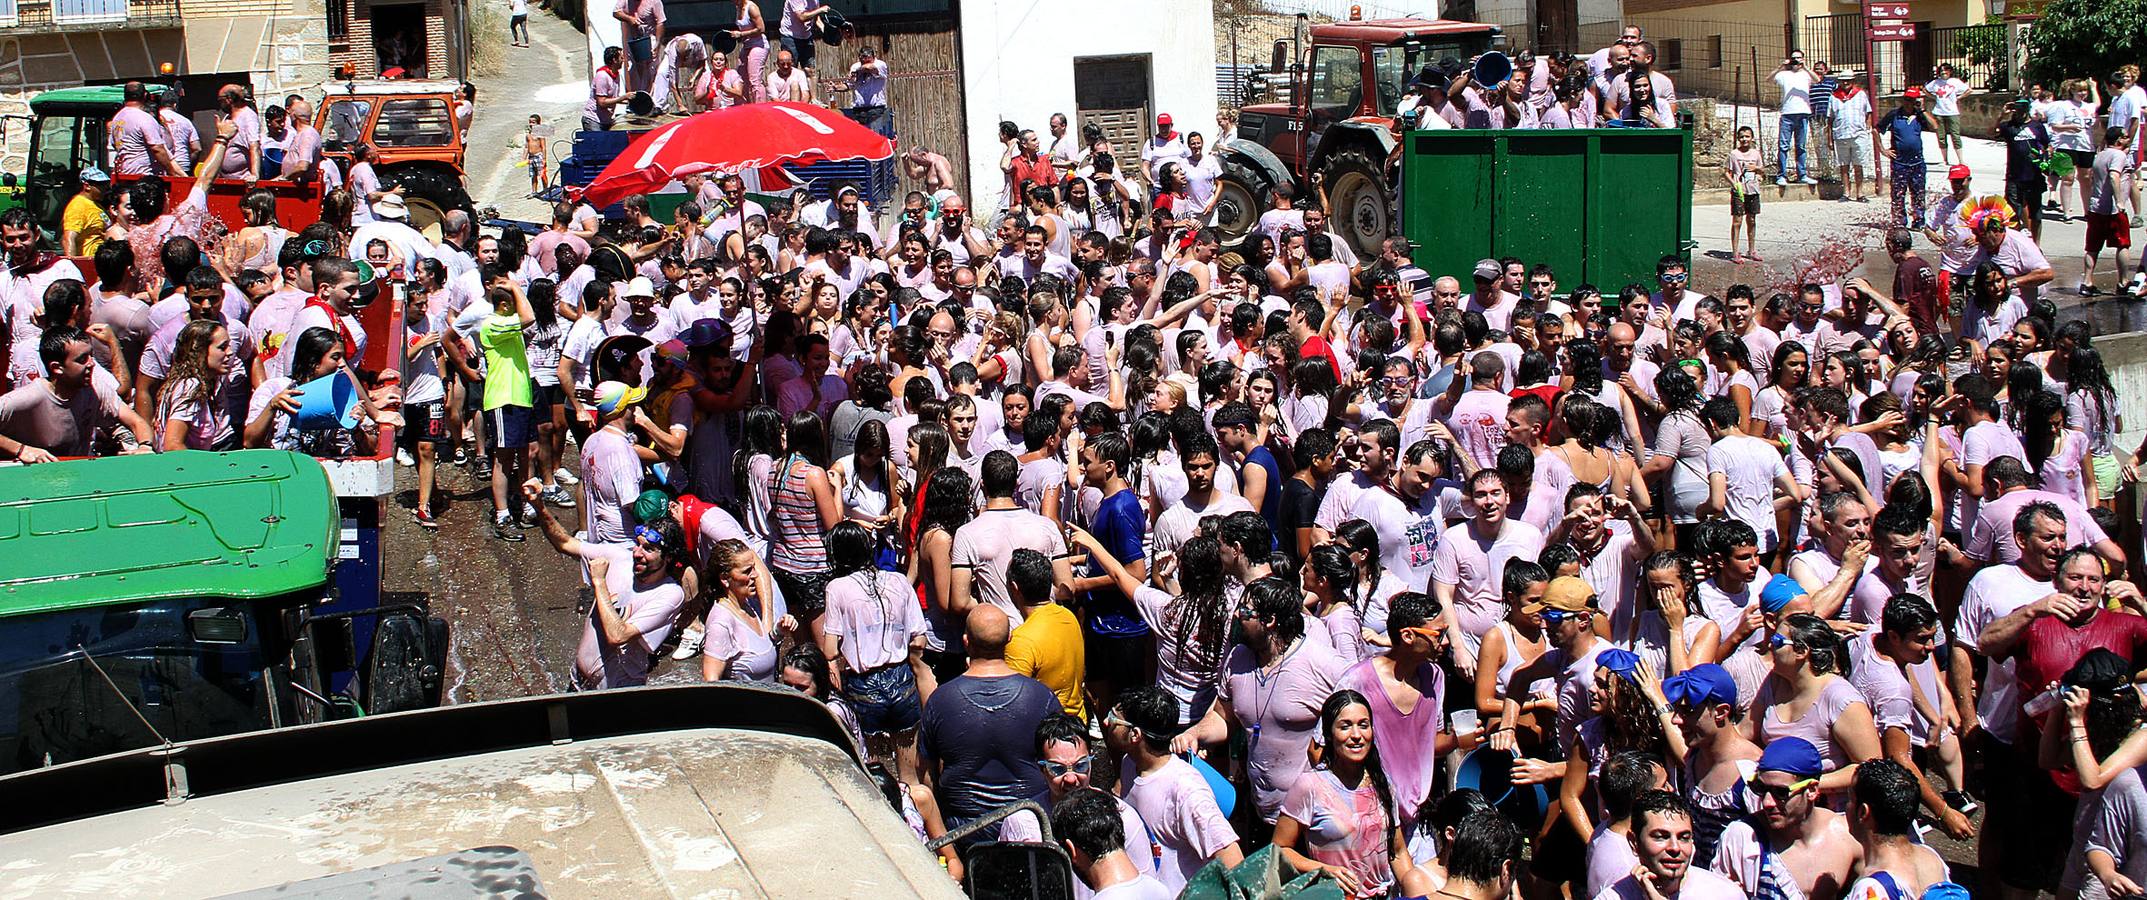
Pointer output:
x,y
1852,116
1796,84
1744,473
1090,825
1946,90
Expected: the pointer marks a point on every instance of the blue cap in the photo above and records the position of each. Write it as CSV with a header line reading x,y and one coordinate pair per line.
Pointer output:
x,y
1793,755
1701,686
92,173
1779,591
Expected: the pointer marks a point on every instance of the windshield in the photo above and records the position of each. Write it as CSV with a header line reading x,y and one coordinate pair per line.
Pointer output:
x,y
416,122
53,166
345,123
56,708
1390,67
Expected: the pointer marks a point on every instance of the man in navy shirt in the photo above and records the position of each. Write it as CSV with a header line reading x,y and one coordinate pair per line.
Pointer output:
x,y
1904,127
1120,652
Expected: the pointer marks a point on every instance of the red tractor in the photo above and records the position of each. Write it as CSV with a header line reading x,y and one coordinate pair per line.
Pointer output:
x,y
1337,119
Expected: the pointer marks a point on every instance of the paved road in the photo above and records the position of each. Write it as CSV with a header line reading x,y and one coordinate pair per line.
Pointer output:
x,y
549,79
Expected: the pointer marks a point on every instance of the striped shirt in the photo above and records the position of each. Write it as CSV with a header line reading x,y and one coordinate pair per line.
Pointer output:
x,y
796,546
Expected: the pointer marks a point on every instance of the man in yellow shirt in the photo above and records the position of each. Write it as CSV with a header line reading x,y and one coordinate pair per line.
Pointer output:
x,y
1047,646
82,223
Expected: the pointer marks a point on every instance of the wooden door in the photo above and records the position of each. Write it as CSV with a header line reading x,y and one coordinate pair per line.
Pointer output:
x,y
1112,93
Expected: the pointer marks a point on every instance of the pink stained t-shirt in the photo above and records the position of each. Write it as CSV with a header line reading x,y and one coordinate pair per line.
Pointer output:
x,y
650,610
1477,567
1342,826
986,544
875,615
1407,742
1181,814
1816,724
1280,709
138,130
1479,424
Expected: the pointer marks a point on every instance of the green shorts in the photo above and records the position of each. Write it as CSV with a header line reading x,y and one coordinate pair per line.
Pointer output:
x,y
2107,474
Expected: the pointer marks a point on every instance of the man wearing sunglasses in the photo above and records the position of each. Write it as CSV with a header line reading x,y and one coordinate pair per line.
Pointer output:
x,y
1408,675
1069,762
1672,283
1799,848
1189,827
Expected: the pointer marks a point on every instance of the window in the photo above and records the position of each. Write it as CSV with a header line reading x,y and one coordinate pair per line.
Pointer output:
x,y
1390,72
1337,82
8,13
339,20
346,123
76,12
415,122
1673,54
1714,51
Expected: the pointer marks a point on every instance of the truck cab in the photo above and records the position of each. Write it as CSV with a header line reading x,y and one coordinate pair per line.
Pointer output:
x,y
411,125
171,597
1337,118
69,130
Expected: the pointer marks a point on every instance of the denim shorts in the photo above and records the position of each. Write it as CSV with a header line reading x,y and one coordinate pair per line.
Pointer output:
x,y
884,699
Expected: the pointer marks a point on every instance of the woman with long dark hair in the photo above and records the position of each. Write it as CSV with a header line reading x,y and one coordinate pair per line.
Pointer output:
x,y
2056,451
2091,406
875,633
1374,583
1808,695
1682,443
194,406
1192,629
1338,819
1338,600
803,508
945,503
1669,632
753,468
1789,372
867,482
272,414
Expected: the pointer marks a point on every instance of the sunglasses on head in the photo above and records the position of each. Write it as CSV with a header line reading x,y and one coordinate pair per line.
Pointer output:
x,y
651,535
1058,769
1780,794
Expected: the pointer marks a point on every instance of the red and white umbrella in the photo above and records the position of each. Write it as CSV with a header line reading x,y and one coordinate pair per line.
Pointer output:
x,y
756,137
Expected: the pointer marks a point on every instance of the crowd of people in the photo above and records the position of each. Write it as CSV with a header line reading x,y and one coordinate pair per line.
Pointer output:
x,y
1290,545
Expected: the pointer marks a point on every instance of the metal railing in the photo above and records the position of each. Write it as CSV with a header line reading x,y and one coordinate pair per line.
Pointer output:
x,y
59,15
1977,52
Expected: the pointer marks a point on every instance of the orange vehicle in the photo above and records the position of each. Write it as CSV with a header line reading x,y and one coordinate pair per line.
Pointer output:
x,y
416,137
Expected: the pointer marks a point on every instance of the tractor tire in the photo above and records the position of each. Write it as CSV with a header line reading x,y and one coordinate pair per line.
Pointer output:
x,y
430,193
1244,192
1359,201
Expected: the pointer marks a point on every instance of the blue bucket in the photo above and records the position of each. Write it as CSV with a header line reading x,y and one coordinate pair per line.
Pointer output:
x,y
330,401
1226,794
1491,773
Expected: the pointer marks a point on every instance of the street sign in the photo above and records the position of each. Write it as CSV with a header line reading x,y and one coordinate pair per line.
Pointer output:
x,y
1886,10
1905,31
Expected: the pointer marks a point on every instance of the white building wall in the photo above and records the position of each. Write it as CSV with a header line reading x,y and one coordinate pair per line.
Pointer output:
x,y
1018,66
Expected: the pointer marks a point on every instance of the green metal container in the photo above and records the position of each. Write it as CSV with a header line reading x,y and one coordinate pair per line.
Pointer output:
x,y
1600,205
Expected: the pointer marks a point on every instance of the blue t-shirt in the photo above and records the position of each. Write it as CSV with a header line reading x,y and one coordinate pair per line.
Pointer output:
x,y
1121,525
1271,501
1906,132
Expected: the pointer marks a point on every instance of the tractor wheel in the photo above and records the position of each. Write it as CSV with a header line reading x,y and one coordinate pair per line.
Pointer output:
x,y
1245,192
1358,200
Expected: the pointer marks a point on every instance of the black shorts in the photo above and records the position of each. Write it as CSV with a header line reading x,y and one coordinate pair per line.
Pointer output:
x,y
804,593
2025,814
507,428
473,394
1742,204
425,422
2082,159
543,398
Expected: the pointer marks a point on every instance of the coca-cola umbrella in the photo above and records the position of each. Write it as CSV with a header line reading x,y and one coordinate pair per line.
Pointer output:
x,y
757,137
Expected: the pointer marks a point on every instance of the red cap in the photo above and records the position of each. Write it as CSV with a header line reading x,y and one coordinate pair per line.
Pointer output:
x,y
1913,93
1959,173
1162,118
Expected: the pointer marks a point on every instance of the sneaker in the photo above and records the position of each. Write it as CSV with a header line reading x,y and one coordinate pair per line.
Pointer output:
x,y
424,518
2085,290
528,518
1959,801
505,528
1807,180
689,643
565,477
481,468
557,496
1781,181
403,458
462,455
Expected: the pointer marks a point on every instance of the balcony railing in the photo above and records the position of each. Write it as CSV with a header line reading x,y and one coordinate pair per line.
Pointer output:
x,y
67,15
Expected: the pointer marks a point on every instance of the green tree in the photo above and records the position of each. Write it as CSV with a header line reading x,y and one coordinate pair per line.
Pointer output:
x,y
2086,39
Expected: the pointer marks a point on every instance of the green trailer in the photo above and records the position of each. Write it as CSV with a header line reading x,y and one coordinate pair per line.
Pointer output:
x,y
1600,205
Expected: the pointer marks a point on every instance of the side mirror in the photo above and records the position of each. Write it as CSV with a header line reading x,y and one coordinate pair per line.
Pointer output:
x,y
1281,58
8,180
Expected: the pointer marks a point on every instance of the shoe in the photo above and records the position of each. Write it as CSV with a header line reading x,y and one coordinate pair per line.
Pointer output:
x,y
403,458
689,643
1807,180
424,518
2085,290
462,455
1959,801
1863,199
1754,257
504,528
557,496
481,468
528,518
2051,205
1737,259
1781,181
565,477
